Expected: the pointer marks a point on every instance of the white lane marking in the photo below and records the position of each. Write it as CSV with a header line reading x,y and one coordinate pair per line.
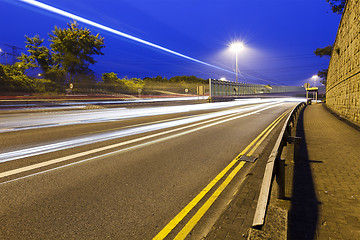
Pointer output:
x,y
58,160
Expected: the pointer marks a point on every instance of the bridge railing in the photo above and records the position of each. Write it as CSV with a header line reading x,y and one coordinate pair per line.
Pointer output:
x,y
276,167
220,88
226,89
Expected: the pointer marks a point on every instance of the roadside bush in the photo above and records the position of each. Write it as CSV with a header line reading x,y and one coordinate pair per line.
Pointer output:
x,y
13,79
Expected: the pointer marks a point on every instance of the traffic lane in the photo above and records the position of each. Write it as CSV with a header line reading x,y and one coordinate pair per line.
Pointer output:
x,y
11,160
18,121
13,140
7,159
126,196
54,104
155,158
32,137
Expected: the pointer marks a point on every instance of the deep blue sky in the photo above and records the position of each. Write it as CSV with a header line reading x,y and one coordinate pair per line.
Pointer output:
x,y
280,35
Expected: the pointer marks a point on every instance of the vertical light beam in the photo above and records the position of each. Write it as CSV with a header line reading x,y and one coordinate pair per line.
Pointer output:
x,y
119,33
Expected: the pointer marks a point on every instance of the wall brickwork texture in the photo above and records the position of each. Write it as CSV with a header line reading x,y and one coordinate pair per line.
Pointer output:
x,y
343,82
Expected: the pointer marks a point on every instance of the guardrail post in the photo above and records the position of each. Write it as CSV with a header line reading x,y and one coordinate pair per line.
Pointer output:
x,y
280,176
297,142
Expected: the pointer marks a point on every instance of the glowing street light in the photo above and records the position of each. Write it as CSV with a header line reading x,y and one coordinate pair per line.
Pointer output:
x,y
315,92
315,77
236,47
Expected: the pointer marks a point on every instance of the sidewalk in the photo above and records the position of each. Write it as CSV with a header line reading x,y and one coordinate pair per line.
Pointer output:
x,y
322,187
325,194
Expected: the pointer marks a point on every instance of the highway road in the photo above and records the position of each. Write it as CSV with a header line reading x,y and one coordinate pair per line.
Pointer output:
x,y
140,173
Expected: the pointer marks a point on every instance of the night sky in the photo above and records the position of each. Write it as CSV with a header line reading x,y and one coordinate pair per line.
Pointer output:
x,y
280,35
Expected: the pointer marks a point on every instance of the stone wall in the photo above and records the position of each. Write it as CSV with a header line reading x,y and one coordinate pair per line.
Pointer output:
x,y
343,83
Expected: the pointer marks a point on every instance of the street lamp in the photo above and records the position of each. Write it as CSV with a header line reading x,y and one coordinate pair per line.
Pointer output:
x,y
236,47
315,77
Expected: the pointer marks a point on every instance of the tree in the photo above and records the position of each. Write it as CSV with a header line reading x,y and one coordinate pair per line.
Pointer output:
x,y
39,55
112,83
133,85
109,78
326,51
73,48
13,78
70,54
323,74
337,6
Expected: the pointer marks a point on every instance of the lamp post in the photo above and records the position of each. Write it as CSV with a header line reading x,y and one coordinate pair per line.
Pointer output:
x,y
236,47
315,77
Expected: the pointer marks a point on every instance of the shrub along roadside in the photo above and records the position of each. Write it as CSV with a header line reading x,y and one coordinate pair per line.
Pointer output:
x,y
13,79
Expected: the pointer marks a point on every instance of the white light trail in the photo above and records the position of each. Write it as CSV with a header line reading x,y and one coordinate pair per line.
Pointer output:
x,y
211,123
10,123
14,123
114,31
33,151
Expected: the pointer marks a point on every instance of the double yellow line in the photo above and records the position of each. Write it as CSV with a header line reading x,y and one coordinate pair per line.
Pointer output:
x,y
203,209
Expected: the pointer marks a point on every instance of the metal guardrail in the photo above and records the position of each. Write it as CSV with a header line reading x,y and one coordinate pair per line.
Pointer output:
x,y
276,166
228,89
221,88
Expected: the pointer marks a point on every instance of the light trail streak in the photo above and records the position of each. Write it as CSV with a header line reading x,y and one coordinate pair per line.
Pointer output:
x,y
14,155
8,124
210,123
82,104
116,32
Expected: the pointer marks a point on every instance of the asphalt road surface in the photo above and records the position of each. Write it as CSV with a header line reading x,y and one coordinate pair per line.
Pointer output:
x,y
141,173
